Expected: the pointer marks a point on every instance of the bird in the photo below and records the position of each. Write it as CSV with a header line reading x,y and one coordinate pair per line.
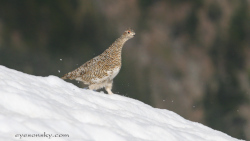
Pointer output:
x,y
100,71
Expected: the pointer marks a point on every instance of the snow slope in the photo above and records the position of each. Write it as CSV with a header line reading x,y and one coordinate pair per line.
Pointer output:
x,y
44,108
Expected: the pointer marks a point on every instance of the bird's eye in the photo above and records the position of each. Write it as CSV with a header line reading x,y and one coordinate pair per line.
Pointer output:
x,y
128,32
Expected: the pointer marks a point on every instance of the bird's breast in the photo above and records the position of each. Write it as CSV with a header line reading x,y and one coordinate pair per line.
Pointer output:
x,y
113,73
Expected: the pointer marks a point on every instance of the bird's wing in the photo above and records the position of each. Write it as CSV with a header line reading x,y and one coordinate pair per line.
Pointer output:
x,y
83,69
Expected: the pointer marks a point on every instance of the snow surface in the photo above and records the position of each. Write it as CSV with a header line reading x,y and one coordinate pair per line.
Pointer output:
x,y
42,108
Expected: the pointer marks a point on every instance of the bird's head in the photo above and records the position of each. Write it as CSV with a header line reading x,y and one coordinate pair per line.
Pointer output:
x,y
129,33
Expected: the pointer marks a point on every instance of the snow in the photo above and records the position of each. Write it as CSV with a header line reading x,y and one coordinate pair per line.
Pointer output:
x,y
43,108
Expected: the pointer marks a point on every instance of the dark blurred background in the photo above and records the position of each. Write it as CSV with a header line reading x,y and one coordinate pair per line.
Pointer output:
x,y
191,57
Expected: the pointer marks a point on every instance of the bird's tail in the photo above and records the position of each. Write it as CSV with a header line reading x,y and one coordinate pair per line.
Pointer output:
x,y
64,77
74,74
68,76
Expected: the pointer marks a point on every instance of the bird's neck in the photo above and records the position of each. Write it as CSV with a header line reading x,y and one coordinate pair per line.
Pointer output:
x,y
116,47
118,44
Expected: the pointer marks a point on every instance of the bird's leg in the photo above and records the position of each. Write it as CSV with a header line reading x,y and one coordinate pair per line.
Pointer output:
x,y
108,87
92,87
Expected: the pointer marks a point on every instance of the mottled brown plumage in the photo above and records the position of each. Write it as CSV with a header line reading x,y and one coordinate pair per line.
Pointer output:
x,y
100,71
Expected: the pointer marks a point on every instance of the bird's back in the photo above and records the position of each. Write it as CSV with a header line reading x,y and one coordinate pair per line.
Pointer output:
x,y
97,69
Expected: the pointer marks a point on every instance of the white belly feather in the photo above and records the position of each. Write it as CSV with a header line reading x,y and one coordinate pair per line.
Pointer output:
x,y
111,75
103,82
114,73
